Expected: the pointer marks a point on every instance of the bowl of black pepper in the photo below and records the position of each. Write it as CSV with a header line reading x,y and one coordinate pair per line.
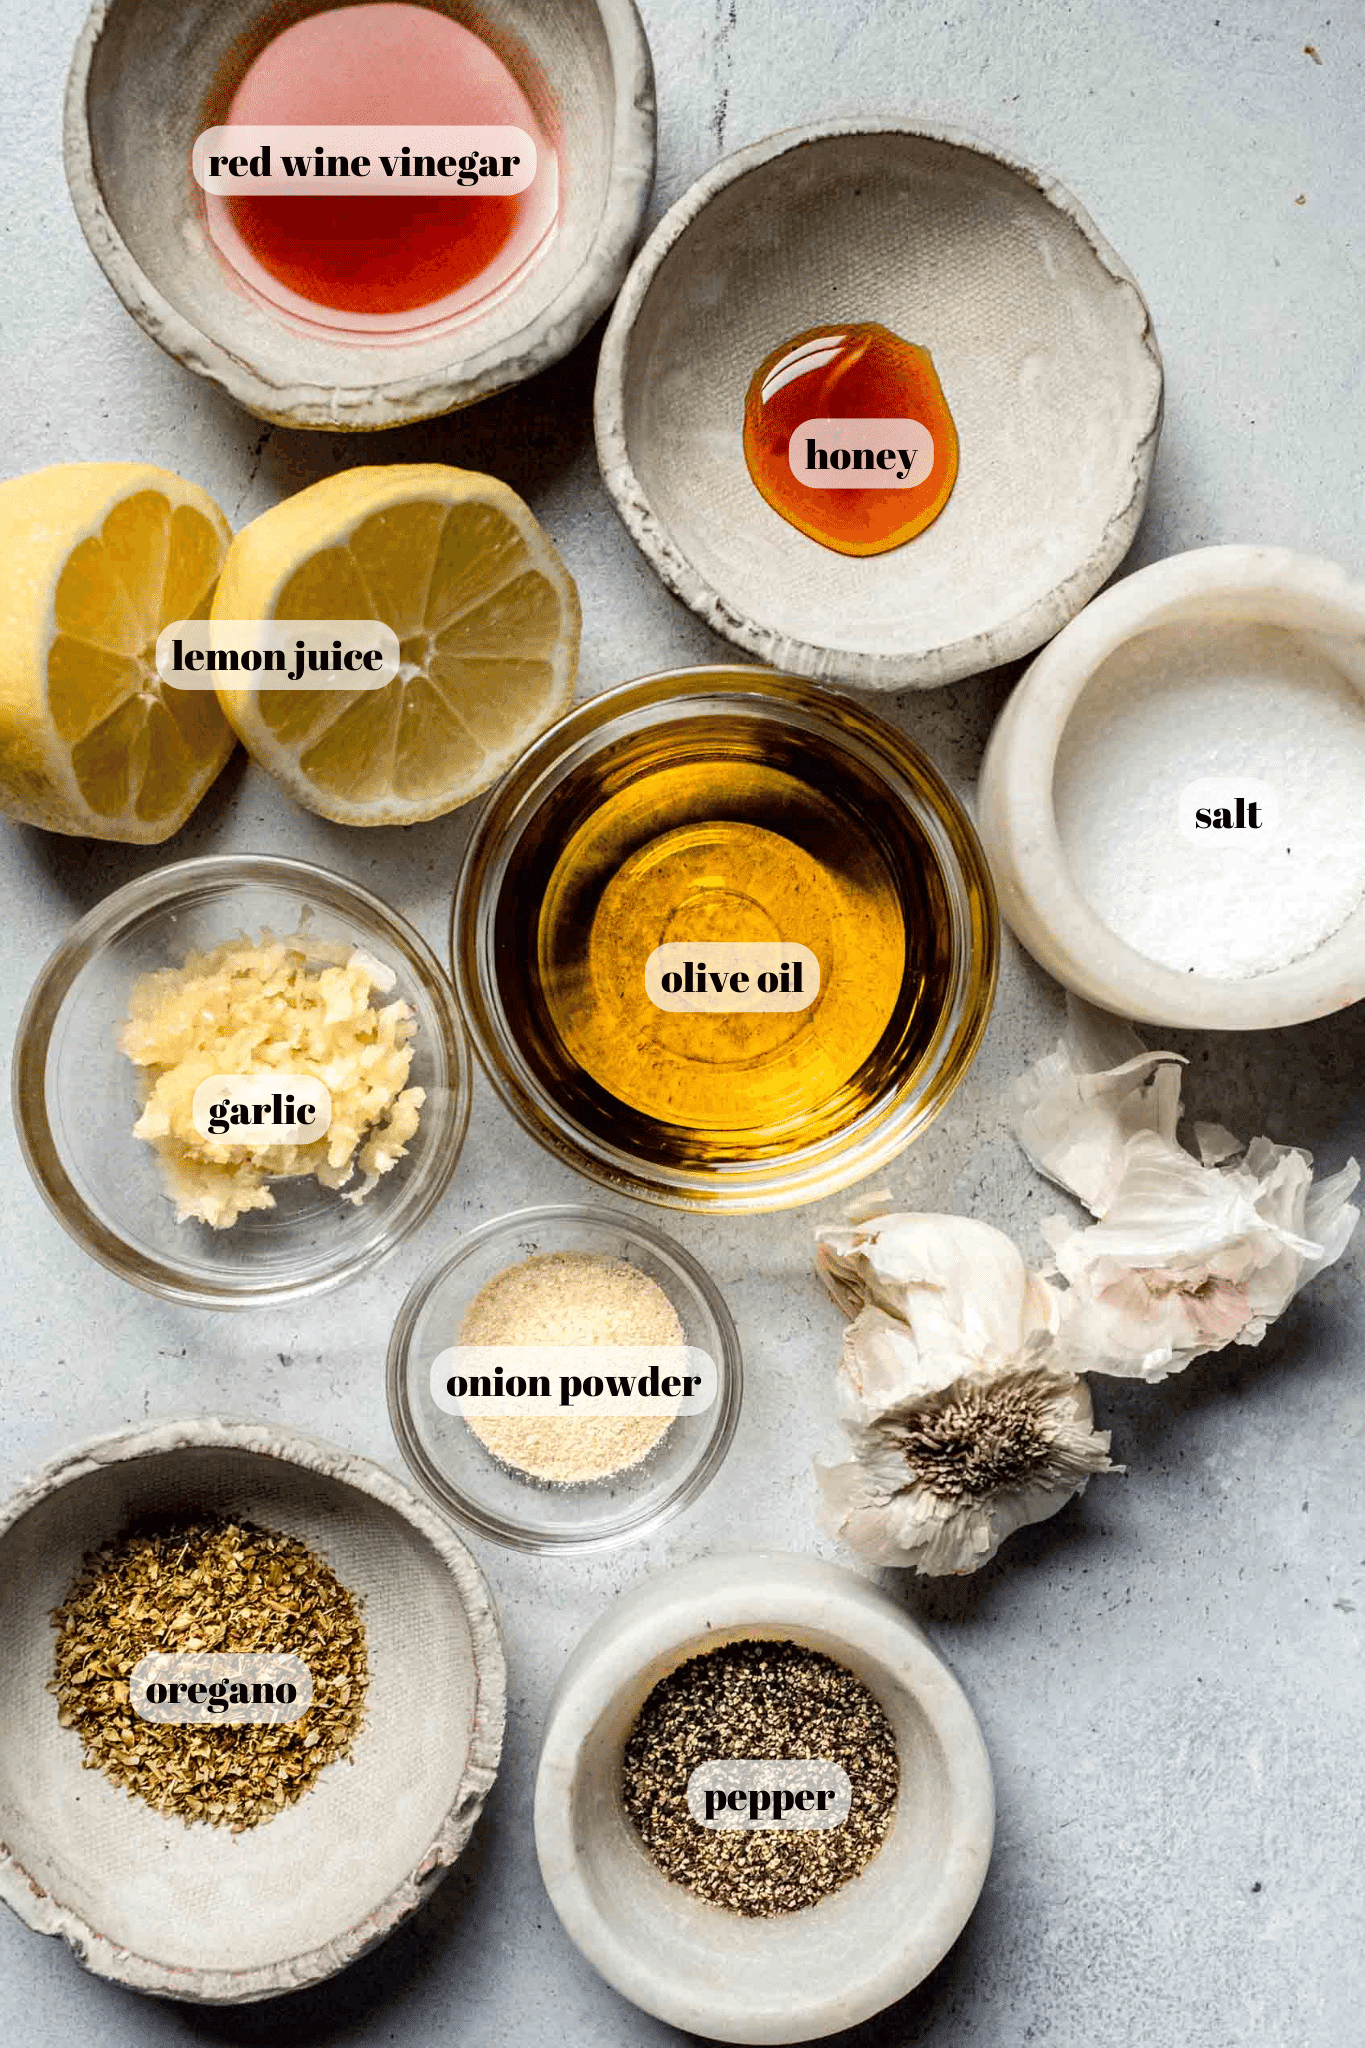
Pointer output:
x,y
764,1809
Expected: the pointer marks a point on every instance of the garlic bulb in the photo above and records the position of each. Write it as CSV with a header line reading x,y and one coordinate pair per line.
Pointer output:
x,y
961,1426
959,1285
1189,1254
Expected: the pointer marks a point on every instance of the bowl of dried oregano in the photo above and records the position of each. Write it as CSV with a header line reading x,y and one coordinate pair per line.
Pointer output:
x,y
253,1693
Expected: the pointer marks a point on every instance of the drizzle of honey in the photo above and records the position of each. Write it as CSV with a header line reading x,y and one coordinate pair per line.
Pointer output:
x,y
848,371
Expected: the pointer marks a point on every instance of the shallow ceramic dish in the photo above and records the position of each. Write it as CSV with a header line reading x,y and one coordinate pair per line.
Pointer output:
x,y
76,1097
1041,339
194,1912
1215,613
467,1481
798,1976
139,79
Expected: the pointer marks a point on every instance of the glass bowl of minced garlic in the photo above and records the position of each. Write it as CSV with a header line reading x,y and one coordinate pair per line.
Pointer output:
x,y
565,1378
241,1080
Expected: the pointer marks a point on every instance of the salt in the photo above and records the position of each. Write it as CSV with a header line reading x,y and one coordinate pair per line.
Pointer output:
x,y
1224,699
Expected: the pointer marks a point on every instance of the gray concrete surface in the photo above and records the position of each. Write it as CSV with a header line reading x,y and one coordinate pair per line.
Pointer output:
x,y
1169,1674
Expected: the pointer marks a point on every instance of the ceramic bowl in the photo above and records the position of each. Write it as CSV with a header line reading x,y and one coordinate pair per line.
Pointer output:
x,y
798,1976
195,1912
1236,620
464,1478
76,1096
140,77
1041,339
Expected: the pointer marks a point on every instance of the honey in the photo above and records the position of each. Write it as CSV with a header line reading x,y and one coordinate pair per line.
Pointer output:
x,y
372,262
851,402
712,828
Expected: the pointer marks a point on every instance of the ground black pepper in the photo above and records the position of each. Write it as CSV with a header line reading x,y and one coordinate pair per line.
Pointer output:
x,y
759,1699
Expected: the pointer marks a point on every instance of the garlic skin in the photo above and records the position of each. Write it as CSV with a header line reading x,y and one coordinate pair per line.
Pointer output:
x,y
1077,1108
961,1427
1189,1255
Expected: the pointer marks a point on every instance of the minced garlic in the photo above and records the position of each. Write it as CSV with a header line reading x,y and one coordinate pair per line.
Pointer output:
x,y
295,1005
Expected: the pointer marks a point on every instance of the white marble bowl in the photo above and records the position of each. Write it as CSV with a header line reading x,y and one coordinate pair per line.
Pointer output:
x,y
140,76
1043,345
799,1976
1212,613
194,1912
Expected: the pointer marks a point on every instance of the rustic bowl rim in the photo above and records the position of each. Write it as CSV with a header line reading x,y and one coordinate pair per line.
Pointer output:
x,y
398,401
45,1914
930,668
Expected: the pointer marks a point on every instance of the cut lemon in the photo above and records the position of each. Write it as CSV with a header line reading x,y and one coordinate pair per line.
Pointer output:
x,y
95,558
487,621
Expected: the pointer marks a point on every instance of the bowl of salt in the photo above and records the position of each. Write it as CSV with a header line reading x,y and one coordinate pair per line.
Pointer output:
x,y
1173,799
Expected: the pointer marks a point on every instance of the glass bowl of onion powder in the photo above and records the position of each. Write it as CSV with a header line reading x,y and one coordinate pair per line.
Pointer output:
x,y
566,1378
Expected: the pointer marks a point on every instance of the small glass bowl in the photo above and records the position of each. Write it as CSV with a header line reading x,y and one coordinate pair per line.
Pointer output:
x,y
76,1096
465,1479
885,789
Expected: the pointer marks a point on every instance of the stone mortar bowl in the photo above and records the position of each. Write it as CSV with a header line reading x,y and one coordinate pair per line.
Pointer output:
x,y
1172,618
140,76
1039,333
194,1912
798,1976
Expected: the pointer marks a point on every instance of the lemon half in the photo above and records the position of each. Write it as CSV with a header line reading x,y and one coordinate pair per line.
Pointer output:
x,y
487,620
95,558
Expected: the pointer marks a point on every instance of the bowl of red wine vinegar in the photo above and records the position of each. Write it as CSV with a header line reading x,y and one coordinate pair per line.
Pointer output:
x,y
318,300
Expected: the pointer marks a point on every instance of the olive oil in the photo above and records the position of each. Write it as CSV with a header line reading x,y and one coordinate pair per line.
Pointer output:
x,y
703,828
725,881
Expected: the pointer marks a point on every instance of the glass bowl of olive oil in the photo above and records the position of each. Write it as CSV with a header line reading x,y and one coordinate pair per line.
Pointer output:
x,y
725,940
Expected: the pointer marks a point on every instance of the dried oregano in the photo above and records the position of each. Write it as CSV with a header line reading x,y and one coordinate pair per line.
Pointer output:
x,y
201,1585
